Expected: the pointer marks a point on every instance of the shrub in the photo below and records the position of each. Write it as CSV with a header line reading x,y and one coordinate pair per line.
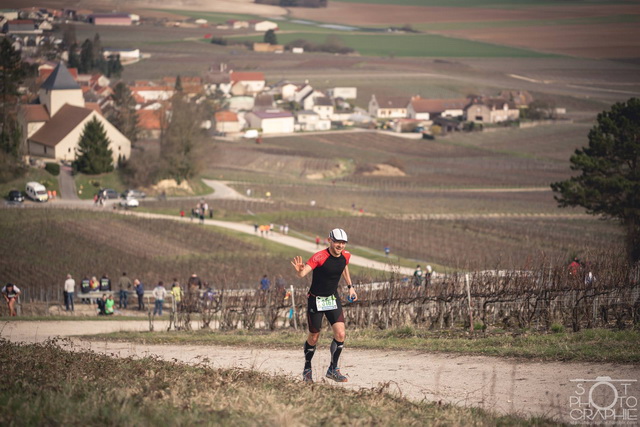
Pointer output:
x,y
557,328
53,168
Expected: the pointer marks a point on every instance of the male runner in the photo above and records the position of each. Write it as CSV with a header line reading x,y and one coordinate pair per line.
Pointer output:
x,y
328,266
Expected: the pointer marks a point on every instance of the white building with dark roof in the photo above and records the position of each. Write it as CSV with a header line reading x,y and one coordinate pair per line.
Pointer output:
x,y
54,126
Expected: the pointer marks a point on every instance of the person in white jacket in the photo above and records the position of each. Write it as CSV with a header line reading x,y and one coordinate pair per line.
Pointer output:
x,y
159,293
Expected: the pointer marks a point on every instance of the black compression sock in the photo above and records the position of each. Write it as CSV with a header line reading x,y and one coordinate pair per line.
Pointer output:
x,y
309,351
336,349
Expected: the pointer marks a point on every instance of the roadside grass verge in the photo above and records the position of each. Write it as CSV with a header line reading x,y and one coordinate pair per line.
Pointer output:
x,y
33,174
52,386
593,345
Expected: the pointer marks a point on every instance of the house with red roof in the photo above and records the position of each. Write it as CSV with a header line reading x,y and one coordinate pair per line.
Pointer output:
x,y
227,122
246,83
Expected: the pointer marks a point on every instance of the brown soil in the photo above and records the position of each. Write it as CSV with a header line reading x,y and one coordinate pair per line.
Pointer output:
x,y
503,385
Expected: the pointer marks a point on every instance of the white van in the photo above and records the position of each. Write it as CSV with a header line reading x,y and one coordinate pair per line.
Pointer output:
x,y
37,192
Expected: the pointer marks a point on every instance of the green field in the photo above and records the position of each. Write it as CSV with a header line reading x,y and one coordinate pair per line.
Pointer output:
x,y
503,4
410,45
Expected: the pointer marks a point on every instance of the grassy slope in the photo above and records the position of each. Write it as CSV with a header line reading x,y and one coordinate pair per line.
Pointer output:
x,y
51,386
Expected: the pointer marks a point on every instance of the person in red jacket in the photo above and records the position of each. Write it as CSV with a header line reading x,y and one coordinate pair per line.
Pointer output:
x,y
328,266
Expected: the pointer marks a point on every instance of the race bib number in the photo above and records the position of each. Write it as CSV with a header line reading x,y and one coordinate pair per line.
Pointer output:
x,y
326,303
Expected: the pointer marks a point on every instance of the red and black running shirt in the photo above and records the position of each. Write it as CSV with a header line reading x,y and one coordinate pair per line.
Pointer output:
x,y
327,270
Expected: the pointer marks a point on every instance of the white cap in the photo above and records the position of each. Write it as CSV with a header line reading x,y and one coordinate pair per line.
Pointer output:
x,y
338,234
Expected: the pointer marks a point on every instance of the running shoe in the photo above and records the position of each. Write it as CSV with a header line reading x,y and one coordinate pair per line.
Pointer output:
x,y
334,374
307,376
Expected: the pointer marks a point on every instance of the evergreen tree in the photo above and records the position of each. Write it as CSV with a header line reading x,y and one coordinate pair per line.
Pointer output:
x,y
609,180
123,116
74,58
270,37
114,67
86,57
94,154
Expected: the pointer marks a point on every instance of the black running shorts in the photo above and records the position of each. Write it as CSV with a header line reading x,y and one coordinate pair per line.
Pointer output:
x,y
314,317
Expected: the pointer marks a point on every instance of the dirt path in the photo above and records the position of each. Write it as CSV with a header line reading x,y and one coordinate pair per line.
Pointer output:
x,y
503,385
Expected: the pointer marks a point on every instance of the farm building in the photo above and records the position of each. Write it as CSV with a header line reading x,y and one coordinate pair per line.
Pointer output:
x,y
271,121
343,92
126,55
266,47
426,109
109,19
394,107
490,110
235,24
20,26
263,26
53,127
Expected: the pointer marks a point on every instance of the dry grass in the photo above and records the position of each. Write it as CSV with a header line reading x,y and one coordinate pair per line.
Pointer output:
x,y
53,386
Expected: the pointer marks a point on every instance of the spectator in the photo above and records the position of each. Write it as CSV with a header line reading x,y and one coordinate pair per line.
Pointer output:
x,y
69,290
417,276
139,287
105,283
387,250
574,268
181,213
427,276
10,292
85,288
176,292
286,229
194,283
108,305
281,285
317,242
124,286
94,286
208,295
159,293
102,305
265,283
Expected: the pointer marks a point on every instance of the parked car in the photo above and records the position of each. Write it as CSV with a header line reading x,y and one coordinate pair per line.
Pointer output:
x,y
16,196
108,193
129,202
136,194
37,192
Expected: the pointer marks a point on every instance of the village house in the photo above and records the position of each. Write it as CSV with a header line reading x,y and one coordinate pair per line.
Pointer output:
x,y
53,128
343,92
271,122
491,110
393,107
241,103
323,106
123,19
311,121
246,83
227,122
427,109
235,24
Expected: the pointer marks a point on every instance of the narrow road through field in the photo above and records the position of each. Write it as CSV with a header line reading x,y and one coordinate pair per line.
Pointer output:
x,y
498,384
